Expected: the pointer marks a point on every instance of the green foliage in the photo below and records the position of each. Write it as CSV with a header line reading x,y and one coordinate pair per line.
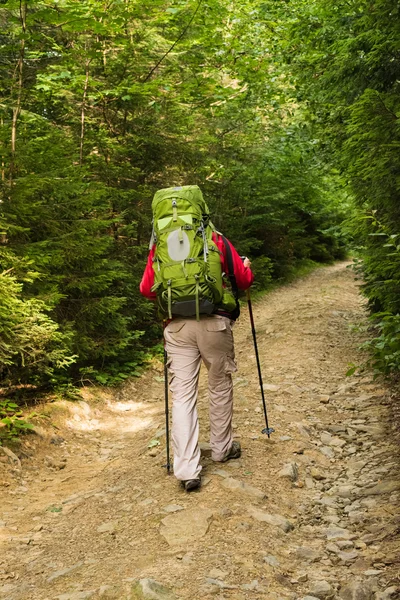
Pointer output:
x,y
115,373
263,270
345,58
12,423
102,107
384,348
31,343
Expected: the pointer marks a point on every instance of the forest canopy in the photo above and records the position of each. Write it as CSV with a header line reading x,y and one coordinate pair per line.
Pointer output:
x,y
277,111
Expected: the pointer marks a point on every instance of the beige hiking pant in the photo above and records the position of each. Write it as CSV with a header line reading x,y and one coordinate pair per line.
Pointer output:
x,y
187,343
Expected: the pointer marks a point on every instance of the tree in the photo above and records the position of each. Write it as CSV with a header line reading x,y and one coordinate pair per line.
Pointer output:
x,y
113,100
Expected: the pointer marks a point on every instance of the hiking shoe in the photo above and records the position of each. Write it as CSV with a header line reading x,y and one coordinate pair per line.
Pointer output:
x,y
191,484
235,451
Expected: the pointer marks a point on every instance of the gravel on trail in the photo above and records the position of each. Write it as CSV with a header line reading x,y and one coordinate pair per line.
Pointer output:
x,y
88,511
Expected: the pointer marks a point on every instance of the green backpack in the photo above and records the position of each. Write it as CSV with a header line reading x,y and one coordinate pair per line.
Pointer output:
x,y
188,278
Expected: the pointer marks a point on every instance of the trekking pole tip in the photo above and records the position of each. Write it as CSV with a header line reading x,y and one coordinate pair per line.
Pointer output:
x,y
268,431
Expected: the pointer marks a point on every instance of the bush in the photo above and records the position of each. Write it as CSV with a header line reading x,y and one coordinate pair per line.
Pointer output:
x,y
262,269
31,346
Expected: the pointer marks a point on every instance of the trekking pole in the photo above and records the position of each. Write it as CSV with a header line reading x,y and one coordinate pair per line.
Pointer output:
x,y
267,430
168,465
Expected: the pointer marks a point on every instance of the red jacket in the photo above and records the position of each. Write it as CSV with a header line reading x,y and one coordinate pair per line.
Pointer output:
x,y
244,275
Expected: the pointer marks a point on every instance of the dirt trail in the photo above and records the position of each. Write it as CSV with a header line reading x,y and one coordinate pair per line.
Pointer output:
x,y
310,512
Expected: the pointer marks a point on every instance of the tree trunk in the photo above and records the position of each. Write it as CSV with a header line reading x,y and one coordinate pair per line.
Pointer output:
x,y
3,164
19,76
85,89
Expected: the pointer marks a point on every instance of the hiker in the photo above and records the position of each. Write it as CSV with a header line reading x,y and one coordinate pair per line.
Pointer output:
x,y
184,274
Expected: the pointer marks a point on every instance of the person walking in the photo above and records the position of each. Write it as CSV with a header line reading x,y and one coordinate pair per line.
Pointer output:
x,y
189,340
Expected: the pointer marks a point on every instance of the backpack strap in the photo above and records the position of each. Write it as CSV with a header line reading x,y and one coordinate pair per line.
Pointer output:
x,y
231,270
231,276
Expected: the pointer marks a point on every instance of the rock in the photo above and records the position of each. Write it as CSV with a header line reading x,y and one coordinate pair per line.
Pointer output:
x,y
149,589
54,463
271,519
77,595
327,501
345,491
251,586
360,565
221,473
316,474
322,590
389,594
324,398
337,442
12,458
271,560
109,592
338,533
309,483
269,387
226,512
308,554
333,519
206,590
234,464
327,451
332,548
57,440
357,590
107,527
309,598
243,526
205,449
385,487
171,508
63,572
347,557
284,581
345,544
240,486
185,526
356,465
147,502
285,438
289,471
304,431
221,584
217,574
326,438
356,517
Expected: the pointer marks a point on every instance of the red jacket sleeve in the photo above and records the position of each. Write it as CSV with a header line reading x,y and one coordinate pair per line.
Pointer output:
x,y
244,275
148,277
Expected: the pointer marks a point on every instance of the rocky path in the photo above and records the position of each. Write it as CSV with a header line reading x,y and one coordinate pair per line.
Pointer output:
x,y
312,513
